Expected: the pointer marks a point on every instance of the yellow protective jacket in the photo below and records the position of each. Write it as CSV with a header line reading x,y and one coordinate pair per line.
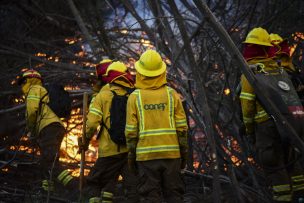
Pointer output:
x,y
154,116
252,110
99,111
105,87
37,119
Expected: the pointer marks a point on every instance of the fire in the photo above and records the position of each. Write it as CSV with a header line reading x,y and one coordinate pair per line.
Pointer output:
x,y
4,169
80,54
226,91
68,87
167,61
298,36
124,31
19,100
40,54
69,146
234,29
70,40
76,173
235,160
196,164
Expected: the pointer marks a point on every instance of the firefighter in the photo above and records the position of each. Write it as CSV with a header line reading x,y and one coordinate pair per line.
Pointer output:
x,y
281,54
276,156
102,80
156,132
101,70
112,160
44,126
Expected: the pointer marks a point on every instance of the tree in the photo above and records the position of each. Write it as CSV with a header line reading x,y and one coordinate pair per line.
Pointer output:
x,y
205,73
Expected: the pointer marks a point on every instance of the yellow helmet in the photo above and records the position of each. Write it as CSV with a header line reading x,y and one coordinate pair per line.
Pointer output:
x,y
116,66
105,61
258,36
275,38
150,64
28,74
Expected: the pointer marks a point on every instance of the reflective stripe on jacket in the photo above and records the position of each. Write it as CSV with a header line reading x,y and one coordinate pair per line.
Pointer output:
x,y
36,120
251,108
153,118
99,111
105,87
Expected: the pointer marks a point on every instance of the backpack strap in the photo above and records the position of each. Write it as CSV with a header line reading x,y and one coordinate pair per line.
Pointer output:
x,y
38,112
41,101
128,89
102,124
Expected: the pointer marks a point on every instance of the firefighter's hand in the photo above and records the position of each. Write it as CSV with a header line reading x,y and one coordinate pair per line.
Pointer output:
x,y
83,145
132,163
184,157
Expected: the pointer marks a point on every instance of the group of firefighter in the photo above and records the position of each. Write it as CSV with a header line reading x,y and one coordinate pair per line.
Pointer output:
x,y
150,162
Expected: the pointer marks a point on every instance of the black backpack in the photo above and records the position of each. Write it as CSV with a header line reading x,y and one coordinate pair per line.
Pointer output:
x,y
59,100
118,117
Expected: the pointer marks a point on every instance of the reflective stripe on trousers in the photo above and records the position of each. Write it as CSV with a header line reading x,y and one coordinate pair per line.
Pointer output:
x,y
297,182
105,197
65,177
282,193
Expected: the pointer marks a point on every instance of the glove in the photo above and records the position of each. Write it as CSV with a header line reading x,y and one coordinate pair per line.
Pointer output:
x,y
83,146
183,163
132,163
183,143
184,157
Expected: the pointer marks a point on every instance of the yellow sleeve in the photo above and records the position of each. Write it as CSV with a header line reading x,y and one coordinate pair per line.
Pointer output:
x,y
180,121
179,114
248,100
32,106
92,100
94,116
131,130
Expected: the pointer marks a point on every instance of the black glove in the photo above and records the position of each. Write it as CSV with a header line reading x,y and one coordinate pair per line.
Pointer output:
x,y
183,163
132,163
83,146
184,157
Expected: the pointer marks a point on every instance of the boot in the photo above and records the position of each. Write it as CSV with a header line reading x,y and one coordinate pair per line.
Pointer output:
x,y
282,193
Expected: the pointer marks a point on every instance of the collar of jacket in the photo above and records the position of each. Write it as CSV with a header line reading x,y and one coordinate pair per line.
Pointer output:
x,y
122,82
269,63
144,82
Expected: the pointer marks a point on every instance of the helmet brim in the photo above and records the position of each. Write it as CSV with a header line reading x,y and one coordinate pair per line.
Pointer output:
x,y
150,73
258,43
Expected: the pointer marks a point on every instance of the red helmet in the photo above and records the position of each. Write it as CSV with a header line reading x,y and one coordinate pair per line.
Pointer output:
x,y
101,68
28,74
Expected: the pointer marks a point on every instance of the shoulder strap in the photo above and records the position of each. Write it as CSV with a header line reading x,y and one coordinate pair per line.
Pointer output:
x,y
128,89
40,102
